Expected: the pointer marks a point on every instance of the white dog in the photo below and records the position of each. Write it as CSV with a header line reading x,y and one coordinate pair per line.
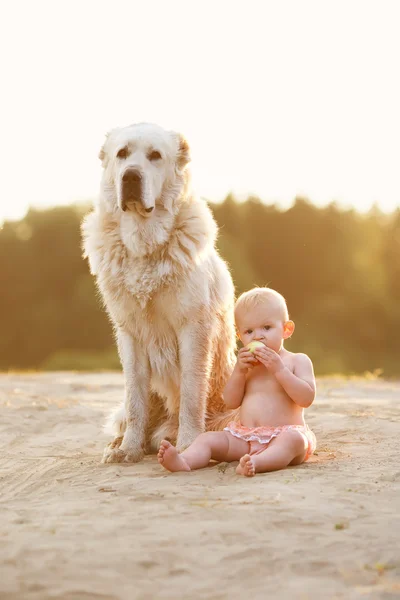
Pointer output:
x,y
151,244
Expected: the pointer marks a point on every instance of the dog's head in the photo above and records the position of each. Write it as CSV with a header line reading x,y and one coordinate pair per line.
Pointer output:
x,y
144,168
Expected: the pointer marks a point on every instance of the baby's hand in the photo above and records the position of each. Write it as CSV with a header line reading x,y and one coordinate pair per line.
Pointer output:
x,y
269,358
245,360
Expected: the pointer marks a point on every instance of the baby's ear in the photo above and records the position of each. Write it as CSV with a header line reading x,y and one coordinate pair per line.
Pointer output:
x,y
288,329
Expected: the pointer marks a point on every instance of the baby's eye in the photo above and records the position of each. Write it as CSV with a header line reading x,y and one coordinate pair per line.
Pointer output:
x,y
249,331
267,327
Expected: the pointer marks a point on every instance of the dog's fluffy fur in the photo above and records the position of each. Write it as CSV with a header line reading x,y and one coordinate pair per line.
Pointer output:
x,y
151,245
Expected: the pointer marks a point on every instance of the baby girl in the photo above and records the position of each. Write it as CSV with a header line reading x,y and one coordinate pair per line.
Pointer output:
x,y
272,387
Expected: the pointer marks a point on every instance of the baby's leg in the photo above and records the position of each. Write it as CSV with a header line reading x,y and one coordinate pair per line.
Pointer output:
x,y
288,448
217,445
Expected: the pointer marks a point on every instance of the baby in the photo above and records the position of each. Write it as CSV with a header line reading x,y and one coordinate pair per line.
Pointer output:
x,y
272,387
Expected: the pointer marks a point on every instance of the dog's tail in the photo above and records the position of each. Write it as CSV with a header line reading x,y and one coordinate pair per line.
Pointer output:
x,y
224,360
217,421
116,422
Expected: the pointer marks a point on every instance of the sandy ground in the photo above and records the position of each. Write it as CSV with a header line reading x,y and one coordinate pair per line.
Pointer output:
x,y
73,528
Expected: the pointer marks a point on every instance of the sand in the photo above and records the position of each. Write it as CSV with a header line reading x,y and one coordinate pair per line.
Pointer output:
x,y
73,528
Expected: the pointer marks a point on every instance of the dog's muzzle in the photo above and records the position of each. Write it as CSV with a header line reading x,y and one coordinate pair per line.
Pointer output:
x,y
132,189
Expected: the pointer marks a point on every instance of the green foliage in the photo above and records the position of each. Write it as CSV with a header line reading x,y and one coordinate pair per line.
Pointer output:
x,y
81,360
339,271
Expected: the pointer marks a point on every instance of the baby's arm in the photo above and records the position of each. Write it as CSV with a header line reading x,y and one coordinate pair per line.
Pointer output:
x,y
299,385
234,389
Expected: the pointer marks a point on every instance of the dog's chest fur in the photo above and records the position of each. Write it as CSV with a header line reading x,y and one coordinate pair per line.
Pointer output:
x,y
146,294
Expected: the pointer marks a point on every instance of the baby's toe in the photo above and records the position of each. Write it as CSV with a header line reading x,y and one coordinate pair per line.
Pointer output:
x,y
163,447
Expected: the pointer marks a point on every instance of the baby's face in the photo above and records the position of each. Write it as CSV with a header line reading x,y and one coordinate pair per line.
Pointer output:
x,y
263,323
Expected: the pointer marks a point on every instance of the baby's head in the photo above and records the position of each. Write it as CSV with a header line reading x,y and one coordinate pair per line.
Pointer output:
x,y
261,314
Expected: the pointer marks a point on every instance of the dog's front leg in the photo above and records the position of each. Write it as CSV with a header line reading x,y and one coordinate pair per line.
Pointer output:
x,y
195,367
136,369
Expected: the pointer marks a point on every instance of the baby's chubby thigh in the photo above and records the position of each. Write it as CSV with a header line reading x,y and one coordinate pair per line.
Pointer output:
x,y
289,446
223,445
236,447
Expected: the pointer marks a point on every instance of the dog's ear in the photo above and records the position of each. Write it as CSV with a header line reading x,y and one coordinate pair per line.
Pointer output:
x,y
102,153
183,154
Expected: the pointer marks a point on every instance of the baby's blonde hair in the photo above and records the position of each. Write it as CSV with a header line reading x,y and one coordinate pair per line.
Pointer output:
x,y
260,295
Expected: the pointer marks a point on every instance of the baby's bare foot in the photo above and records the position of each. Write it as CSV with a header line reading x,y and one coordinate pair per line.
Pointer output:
x,y
169,457
246,466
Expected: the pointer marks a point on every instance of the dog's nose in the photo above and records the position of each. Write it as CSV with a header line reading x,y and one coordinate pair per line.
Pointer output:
x,y
132,176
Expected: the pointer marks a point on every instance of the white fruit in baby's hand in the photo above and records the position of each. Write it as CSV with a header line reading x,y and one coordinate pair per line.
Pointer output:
x,y
253,345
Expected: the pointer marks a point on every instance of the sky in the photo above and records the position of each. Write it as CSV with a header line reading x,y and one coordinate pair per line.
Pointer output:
x,y
276,99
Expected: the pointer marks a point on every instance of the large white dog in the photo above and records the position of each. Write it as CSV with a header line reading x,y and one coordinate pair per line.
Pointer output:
x,y
151,244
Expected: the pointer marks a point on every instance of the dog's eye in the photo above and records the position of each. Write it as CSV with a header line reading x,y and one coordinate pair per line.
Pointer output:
x,y
154,155
123,153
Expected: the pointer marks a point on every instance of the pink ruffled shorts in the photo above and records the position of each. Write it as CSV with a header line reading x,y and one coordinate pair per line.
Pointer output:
x,y
260,437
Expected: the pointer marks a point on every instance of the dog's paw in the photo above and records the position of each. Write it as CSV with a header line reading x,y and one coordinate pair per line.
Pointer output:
x,y
113,455
110,451
116,442
126,449
117,455
133,455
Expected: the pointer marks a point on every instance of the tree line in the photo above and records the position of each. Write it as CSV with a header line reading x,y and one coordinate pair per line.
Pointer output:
x,y
339,271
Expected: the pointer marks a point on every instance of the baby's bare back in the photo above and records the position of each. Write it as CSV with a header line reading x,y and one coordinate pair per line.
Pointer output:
x,y
265,402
